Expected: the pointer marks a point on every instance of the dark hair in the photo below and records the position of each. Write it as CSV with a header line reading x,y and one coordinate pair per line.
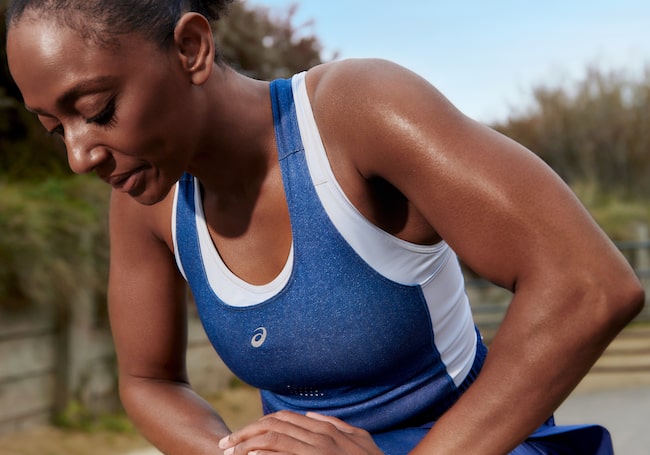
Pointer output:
x,y
102,21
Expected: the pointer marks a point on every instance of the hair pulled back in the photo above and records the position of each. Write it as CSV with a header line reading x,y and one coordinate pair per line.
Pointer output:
x,y
102,21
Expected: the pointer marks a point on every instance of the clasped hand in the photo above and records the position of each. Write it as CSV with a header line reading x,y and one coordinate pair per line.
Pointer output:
x,y
286,432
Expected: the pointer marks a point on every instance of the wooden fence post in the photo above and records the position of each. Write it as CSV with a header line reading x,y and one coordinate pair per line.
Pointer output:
x,y
642,259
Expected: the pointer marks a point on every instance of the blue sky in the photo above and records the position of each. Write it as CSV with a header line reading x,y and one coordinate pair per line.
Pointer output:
x,y
485,56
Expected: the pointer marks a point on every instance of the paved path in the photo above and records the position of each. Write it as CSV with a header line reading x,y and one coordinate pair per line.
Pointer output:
x,y
624,412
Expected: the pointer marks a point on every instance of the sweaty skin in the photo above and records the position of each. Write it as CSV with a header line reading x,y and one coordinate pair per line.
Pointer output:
x,y
139,116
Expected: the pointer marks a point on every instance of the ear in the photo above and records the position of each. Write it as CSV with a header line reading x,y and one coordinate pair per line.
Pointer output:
x,y
195,46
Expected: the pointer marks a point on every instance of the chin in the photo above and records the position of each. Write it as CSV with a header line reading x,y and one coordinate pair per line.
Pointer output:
x,y
149,196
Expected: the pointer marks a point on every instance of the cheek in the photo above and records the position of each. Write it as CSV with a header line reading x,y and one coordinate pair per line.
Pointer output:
x,y
158,122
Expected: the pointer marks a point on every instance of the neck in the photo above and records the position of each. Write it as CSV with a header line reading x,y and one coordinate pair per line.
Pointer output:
x,y
237,144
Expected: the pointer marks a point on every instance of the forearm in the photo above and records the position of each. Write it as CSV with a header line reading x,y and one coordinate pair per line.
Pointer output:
x,y
172,416
539,355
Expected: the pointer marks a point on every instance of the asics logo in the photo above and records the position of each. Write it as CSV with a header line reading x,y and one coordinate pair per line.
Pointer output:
x,y
259,338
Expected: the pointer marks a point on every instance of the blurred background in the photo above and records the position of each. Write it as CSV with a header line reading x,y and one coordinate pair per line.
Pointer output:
x,y
570,80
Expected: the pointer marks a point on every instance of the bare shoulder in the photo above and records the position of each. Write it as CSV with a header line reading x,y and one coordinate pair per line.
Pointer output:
x,y
131,221
366,107
361,83
357,75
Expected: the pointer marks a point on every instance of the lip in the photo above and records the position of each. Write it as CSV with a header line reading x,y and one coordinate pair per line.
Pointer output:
x,y
126,181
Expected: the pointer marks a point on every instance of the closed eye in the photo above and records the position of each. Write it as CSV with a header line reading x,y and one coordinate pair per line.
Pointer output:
x,y
58,130
107,115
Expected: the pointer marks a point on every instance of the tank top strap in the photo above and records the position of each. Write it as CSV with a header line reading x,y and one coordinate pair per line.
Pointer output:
x,y
287,131
186,240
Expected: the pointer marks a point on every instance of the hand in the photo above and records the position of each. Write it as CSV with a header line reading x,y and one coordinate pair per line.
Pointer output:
x,y
286,432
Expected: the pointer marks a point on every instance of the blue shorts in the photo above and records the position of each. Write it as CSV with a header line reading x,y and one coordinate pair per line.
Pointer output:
x,y
549,439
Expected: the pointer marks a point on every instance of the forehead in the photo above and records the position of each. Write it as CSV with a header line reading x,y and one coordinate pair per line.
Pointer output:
x,y
90,22
53,32
47,57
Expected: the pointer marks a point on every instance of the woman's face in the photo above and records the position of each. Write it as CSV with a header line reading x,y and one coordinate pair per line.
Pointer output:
x,y
123,112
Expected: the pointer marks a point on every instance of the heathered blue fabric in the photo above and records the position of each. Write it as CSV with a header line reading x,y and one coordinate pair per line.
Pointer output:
x,y
339,339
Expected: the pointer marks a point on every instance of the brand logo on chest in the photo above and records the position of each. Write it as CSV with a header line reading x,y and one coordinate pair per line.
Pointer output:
x,y
259,337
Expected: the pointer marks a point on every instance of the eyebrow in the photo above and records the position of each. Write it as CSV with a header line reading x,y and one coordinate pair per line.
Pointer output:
x,y
75,92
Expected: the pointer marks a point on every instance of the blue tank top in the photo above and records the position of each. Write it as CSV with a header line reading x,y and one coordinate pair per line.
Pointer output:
x,y
338,338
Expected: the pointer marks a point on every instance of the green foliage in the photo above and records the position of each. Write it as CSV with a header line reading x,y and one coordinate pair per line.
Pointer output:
x,y
263,45
593,133
77,417
26,151
54,241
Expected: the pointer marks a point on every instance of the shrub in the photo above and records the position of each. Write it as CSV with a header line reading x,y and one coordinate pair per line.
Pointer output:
x,y
54,241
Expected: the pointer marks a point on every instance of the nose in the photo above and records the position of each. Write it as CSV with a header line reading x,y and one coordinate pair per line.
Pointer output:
x,y
84,155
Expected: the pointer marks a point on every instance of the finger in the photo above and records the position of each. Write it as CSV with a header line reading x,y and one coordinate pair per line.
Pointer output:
x,y
316,423
327,426
338,423
256,452
270,443
249,431
283,429
359,436
287,432
333,431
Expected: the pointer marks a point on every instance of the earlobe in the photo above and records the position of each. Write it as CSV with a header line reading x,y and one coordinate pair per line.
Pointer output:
x,y
195,46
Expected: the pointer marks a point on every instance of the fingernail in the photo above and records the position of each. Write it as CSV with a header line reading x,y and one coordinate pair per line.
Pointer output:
x,y
223,442
229,451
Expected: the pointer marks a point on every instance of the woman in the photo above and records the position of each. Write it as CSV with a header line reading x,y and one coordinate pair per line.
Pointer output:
x,y
317,221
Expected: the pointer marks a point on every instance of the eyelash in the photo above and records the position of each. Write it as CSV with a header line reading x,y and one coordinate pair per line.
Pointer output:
x,y
56,131
106,119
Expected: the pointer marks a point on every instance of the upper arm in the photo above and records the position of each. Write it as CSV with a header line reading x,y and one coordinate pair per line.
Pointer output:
x,y
504,211
146,292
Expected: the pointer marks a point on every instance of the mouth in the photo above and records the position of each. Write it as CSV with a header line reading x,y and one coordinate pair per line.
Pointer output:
x,y
127,182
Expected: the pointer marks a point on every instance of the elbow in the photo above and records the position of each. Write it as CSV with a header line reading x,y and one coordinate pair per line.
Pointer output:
x,y
138,392
128,393
636,299
610,298
623,301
